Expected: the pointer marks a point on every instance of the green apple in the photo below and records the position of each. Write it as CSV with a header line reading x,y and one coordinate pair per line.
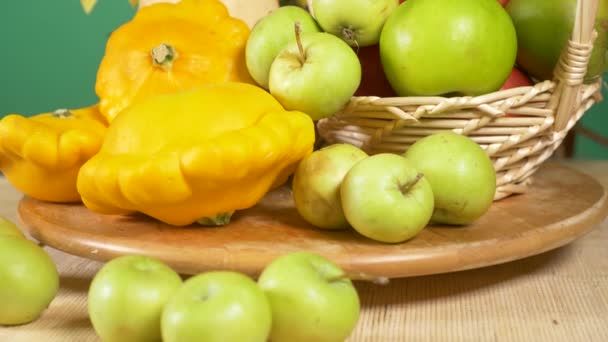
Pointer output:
x,y
438,47
270,35
386,199
316,184
29,280
126,298
317,74
8,227
217,306
461,175
357,22
311,298
543,29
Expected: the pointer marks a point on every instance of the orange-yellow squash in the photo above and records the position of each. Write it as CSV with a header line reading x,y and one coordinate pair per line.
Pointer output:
x,y
171,47
197,155
41,155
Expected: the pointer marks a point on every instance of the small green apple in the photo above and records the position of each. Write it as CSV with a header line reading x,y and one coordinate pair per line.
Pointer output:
x,y
386,199
217,306
438,47
317,74
311,298
461,175
357,22
270,35
316,184
8,227
29,280
126,298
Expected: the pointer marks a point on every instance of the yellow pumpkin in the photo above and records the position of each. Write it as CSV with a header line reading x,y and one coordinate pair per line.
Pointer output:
x,y
196,155
167,48
42,154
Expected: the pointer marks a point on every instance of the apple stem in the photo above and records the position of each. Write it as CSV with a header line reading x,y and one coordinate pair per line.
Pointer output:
x,y
220,219
406,187
349,35
337,278
163,56
298,30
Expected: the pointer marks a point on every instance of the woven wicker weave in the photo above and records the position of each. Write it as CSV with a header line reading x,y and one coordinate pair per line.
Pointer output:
x,y
538,119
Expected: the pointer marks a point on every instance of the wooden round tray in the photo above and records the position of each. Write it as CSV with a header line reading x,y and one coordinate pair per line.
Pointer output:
x,y
562,205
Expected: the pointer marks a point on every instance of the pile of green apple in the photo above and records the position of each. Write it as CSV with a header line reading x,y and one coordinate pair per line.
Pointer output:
x,y
444,178
29,280
299,296
309,59
342,48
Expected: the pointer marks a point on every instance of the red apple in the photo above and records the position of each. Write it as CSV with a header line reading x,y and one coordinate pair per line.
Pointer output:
x,y
373,80
516,79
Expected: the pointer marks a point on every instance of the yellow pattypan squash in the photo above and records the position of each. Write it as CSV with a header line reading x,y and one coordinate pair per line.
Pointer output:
x,y
171,47
41,155
197,155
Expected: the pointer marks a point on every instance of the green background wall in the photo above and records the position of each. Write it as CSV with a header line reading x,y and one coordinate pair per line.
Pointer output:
x,y
50,50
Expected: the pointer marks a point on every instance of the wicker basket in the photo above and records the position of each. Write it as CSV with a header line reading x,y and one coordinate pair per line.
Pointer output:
x,y
539,117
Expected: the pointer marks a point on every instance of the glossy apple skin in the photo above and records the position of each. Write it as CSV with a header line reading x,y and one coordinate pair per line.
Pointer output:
x,y
270,35
311,299
322,84
29,280
357,22
383,201
217,306
126,298
373,80
438,47
461,175
543,29
316,184
517,79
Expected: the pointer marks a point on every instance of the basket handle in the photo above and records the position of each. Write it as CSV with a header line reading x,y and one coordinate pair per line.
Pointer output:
x,y
570,71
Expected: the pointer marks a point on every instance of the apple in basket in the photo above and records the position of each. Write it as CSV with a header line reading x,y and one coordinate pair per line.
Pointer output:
x,y
317,74
516,79
543,29
437,47
373,79
357,22
270,35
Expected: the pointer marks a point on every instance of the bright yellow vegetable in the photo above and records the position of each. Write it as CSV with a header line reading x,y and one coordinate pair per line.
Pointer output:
x,y
41,155
167,48
197,155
